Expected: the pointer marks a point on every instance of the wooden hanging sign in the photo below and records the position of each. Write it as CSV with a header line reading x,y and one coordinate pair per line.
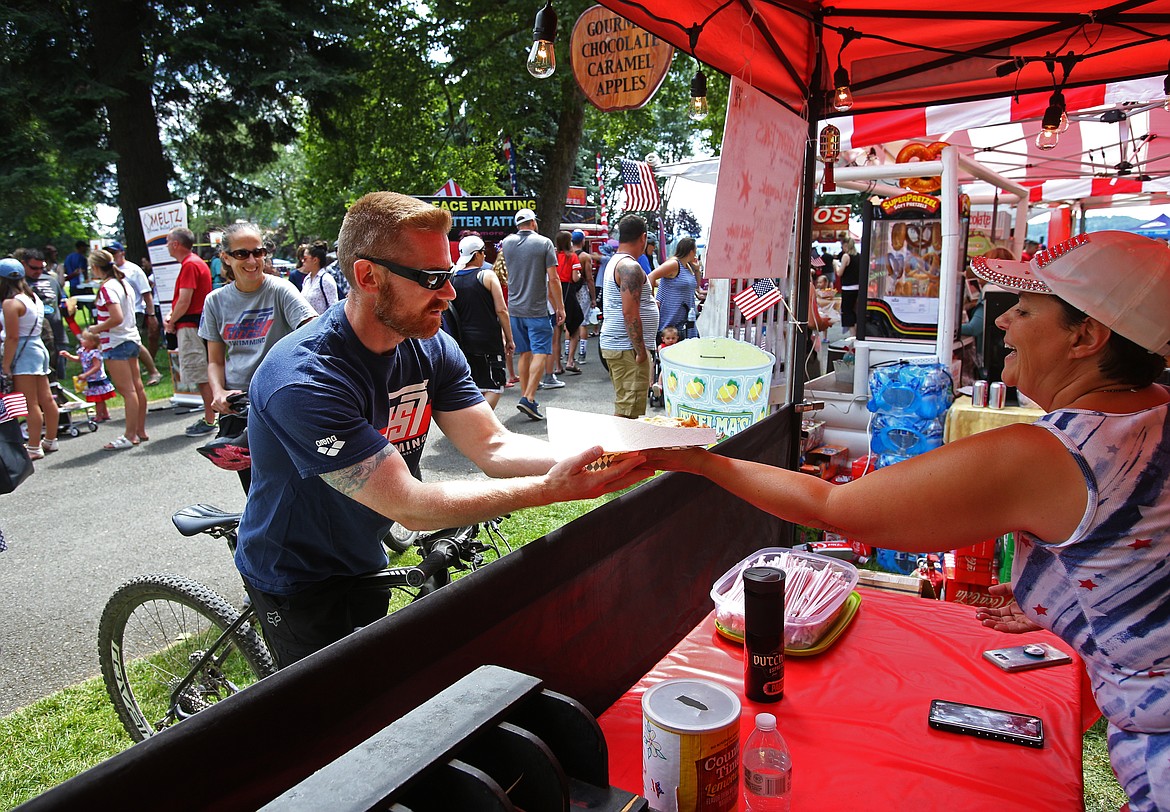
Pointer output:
x,y
617,65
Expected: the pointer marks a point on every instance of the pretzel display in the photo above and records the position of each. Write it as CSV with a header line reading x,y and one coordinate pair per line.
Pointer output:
x,y
898,236
921,152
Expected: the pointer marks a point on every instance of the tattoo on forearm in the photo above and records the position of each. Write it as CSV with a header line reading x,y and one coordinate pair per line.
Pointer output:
x,y
634,331
352,479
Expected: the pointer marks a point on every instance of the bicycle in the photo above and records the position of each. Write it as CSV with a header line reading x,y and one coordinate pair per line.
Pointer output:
x,y
170,647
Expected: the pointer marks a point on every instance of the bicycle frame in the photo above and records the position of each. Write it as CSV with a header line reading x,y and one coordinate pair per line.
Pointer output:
x,y
175,710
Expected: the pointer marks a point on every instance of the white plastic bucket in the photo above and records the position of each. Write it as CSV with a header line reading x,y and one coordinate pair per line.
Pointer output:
x,y
724,383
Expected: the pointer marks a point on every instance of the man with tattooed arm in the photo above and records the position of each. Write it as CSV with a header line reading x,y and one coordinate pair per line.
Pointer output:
x,y
339,415
630,326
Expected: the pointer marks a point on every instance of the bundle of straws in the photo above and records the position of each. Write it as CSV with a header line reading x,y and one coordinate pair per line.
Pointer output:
x,y
808,591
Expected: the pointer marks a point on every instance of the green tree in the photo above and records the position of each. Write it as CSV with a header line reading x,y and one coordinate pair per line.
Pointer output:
x,y
443,90
221,84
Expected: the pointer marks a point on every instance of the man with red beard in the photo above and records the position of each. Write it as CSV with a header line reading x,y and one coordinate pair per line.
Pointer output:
x,y
339,415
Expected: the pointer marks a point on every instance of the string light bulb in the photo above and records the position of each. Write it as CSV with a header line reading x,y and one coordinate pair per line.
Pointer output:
x,y
829,148
842,95
1049,135
542,57
697,109
842,98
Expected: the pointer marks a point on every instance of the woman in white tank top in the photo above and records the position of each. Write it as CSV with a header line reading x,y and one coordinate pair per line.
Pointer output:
x,y
25,357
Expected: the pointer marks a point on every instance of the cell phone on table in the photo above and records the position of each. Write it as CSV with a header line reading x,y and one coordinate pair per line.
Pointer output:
x,y
1025,658
987,723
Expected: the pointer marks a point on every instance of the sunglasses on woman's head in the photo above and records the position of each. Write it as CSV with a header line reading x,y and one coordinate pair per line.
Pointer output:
x,y
244,253
431,280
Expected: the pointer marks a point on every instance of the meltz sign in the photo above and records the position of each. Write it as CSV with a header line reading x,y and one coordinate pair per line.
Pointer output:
x,y
617,65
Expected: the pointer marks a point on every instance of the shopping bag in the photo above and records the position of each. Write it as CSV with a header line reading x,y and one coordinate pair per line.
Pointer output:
x,y
15,466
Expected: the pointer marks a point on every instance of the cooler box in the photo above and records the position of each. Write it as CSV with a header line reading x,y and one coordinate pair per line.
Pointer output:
x,y
724,383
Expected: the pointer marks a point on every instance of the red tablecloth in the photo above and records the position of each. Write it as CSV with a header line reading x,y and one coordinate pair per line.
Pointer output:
x,y
855,717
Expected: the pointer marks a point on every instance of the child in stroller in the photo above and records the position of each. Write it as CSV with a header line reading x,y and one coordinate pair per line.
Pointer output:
x,y
666,336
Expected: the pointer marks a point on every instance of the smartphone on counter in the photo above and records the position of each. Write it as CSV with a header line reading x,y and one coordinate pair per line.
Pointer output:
x,y
987,723
1025,658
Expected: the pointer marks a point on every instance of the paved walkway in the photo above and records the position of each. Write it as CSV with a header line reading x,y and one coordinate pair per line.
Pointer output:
x,y
89,519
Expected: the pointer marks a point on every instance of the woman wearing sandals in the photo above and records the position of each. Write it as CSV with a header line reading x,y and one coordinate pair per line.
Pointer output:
x,y
113,309
25,358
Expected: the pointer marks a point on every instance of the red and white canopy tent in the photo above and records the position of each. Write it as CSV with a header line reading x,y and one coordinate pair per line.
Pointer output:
x,y
901,56
1116,149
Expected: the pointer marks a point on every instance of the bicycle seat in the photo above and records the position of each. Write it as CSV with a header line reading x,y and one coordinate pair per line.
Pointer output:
x,y
195,519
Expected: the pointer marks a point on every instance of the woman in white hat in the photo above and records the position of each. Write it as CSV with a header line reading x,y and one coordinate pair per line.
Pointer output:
x,y
1085,488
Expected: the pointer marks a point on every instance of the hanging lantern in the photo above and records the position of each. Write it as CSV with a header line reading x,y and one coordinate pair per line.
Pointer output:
x,y
830,151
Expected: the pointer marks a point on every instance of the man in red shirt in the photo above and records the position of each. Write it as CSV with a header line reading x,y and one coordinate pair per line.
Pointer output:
x,y
191,288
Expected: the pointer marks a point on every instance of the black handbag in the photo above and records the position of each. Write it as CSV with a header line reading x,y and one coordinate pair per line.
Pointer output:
x,y
15,466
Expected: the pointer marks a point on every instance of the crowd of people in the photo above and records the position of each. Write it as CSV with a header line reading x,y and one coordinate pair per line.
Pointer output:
x,y
1084,487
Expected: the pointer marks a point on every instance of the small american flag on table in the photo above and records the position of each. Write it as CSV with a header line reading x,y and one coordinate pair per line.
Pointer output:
x,y
754,300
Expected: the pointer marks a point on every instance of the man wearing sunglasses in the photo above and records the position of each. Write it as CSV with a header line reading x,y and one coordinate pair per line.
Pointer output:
x,y
340,411
191,288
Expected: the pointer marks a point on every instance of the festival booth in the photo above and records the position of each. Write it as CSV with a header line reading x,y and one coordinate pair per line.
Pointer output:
x,y
619,599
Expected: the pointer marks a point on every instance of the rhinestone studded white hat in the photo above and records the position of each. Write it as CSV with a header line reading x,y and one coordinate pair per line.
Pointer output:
x,y
1120,279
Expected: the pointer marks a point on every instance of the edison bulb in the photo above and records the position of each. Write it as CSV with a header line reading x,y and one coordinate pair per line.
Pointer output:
x,y
542,59
697,109
842,99
1047,139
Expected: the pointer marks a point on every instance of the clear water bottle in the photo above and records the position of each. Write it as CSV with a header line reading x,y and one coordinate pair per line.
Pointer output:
x,y
767,768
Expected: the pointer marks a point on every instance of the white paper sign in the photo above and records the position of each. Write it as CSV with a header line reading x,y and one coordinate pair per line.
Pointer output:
x,y
759,180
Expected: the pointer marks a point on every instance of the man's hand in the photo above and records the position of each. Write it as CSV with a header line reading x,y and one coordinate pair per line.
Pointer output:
x,y
1008,618
640,354
560,316
570,479
168,326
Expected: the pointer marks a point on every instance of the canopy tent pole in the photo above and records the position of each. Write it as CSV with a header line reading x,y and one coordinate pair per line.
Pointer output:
x,y
799,337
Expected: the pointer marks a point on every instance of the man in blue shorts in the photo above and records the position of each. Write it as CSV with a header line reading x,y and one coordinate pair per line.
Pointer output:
x,y
340,411
532,284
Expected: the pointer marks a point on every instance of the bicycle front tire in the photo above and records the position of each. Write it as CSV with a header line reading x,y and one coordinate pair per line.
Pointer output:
x,y
152,631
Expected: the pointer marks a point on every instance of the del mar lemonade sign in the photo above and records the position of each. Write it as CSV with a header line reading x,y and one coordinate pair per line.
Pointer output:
x,y
617,65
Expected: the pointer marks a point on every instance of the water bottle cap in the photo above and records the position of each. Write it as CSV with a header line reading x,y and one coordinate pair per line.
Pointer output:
x,y
765,721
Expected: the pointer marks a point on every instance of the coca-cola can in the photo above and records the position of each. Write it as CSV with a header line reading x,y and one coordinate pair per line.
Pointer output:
x,y
996,395
979,394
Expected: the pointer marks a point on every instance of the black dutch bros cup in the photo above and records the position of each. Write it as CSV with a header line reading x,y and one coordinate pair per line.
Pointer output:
x,y
763,640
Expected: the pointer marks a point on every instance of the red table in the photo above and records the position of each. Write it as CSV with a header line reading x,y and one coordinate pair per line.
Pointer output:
x,y
855,717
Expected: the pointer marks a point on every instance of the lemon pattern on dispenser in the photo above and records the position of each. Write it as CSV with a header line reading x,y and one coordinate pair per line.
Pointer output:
x,y
696,387
756,390
728,391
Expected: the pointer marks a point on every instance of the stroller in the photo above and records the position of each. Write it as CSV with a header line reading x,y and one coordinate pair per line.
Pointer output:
x,y
75,412
656,398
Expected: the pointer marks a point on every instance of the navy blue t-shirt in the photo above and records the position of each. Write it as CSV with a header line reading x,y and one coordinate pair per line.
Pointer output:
x,y
321,401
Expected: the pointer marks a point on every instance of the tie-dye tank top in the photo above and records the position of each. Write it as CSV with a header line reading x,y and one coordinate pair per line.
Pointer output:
x,y
1106,589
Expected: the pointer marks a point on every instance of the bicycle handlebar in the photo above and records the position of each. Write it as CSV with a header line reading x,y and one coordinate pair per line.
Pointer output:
x,y
444,554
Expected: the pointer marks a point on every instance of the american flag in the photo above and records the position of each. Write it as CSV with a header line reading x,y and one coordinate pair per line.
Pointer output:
x,y
817,262
451,189
641,188
601,195
12,406
754,300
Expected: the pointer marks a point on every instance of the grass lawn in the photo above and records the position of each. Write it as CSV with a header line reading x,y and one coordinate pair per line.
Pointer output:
x,y
60,736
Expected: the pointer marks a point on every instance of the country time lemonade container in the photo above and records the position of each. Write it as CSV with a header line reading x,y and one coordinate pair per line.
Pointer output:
x,y
724,383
